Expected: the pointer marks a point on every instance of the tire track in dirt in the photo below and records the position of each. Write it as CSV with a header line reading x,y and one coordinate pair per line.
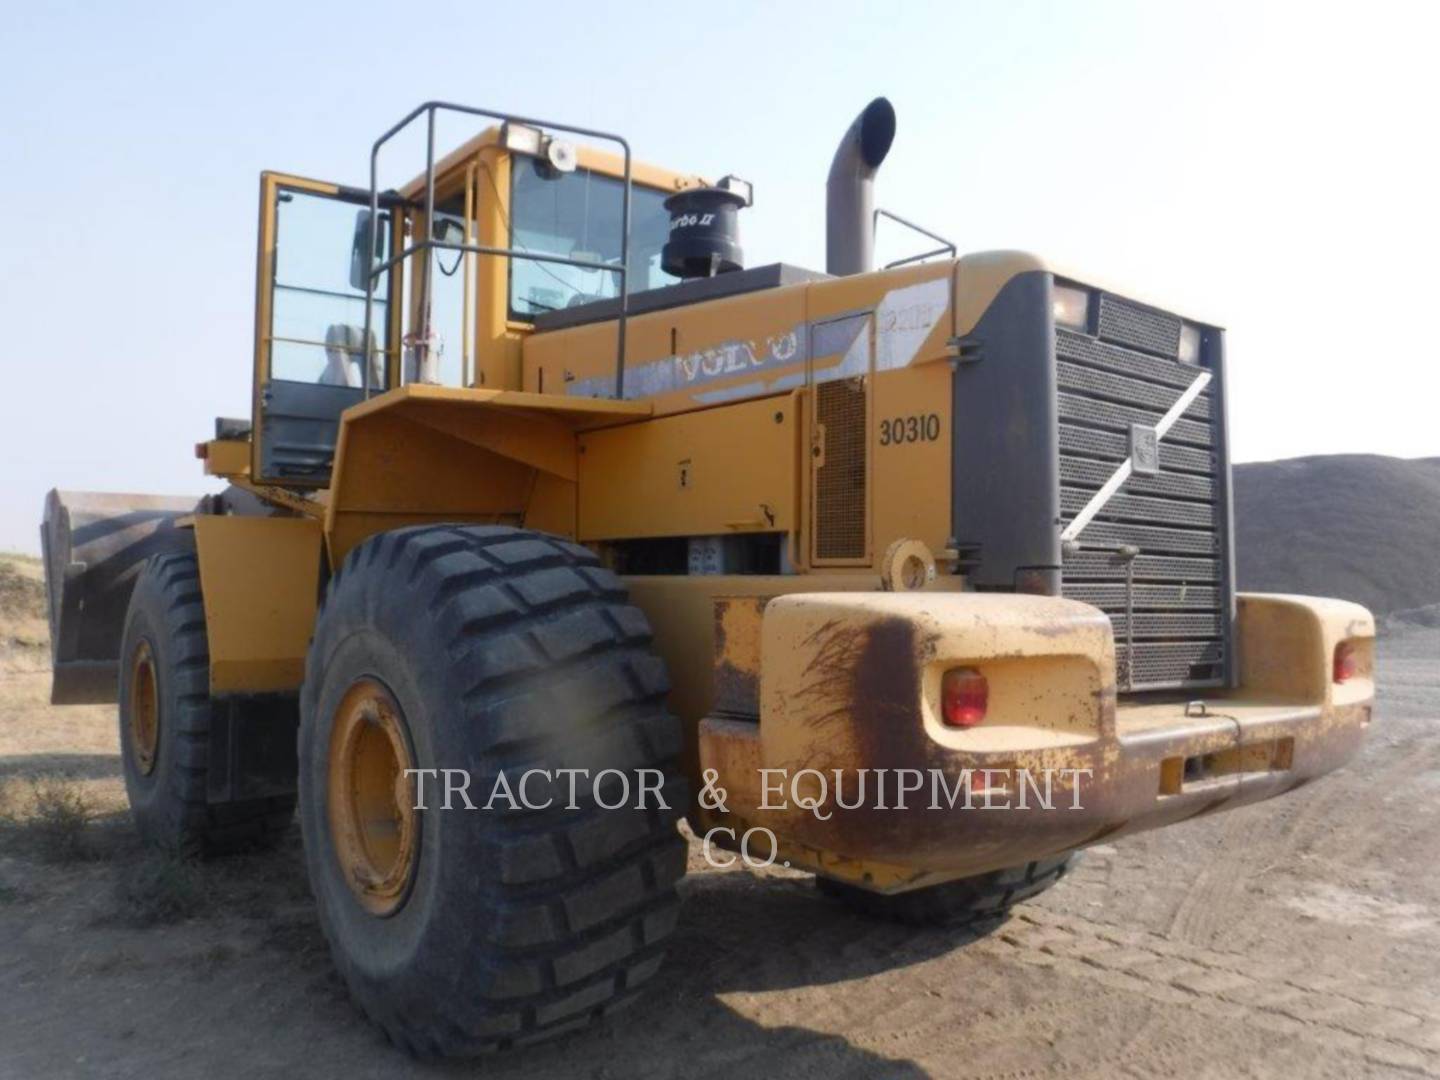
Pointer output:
x,y
1360,1021
1070,1035
1245,849
1208,905
1318,821
1356,835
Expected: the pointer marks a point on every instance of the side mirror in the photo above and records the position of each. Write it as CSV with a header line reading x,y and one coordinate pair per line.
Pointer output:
x,y
359,265
449,231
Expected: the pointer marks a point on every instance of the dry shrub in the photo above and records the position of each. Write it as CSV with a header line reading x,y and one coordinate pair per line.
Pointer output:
x,y
58,825
158,888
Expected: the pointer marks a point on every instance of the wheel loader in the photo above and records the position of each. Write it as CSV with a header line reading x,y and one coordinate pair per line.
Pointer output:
x,y
542,482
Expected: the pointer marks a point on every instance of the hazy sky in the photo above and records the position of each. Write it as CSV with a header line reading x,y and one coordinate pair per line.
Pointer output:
x,y
1270,167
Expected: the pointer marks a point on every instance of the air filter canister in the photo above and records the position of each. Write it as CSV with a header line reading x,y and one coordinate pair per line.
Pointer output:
x,y
704,233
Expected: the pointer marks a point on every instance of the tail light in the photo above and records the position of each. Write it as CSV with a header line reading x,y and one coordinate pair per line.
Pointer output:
x,y
964,697
1347,661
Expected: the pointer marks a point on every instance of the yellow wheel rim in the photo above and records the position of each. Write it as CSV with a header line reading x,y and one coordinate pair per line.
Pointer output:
x,y
144,709
373,823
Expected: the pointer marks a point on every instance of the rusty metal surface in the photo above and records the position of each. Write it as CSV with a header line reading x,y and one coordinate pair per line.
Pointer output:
x,y
850,682
737,654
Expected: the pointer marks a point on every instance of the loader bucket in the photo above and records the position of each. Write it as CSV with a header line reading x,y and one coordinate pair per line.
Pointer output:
x,y
95,545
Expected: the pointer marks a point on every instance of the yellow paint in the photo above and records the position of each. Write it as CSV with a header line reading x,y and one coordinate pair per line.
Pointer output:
x,y
225,457
421,454
370,797
1046,660
681,610
910,492
260,579
1286,646
599,160
832,700
728,470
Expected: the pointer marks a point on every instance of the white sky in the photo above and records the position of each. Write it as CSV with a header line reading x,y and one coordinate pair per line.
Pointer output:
x,y
1272,167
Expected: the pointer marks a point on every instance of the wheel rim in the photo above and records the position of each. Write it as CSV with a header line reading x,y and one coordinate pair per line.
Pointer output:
x,y
144,709
373,821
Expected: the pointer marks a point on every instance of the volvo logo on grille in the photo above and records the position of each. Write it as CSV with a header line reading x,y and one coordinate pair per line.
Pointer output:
x,y
1144,450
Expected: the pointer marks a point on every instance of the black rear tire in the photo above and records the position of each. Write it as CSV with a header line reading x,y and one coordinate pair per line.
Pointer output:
x,y
982,898
505,650
167,786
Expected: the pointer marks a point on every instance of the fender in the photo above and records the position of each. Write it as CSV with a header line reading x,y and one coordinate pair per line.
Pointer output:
x,y
260,577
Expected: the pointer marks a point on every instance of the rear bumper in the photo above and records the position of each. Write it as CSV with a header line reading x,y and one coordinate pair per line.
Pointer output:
x,y
850,685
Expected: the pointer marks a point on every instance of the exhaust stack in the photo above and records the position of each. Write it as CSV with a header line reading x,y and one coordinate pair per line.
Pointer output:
x,y
850,190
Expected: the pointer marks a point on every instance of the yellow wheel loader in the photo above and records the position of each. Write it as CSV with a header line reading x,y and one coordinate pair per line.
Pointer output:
x,y
554,522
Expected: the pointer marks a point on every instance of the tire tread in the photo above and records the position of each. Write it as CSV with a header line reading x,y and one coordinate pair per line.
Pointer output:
x,y
171,584
580,904
983,898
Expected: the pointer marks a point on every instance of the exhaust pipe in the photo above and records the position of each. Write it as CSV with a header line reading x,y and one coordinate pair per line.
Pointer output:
x,y
850,191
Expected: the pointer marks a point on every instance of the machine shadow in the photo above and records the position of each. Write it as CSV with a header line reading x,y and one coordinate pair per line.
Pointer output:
x,y
739,934
741,937
742,934
69,766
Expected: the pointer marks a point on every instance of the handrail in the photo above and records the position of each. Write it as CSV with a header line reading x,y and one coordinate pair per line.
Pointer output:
x,y
428,110
946,246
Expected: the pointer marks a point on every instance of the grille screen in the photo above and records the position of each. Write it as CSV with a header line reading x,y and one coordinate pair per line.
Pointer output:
x,y
840,481
1168,603
1128,323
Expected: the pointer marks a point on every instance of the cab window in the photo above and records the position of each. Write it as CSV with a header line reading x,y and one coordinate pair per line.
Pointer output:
x,y
578,214
318,312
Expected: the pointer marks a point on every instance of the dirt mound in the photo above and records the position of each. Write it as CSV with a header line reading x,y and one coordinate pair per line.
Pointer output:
x,y
1427,616
1357,526
22,592
22,603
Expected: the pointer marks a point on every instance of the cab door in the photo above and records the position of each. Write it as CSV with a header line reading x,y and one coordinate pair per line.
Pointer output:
x,y
311,358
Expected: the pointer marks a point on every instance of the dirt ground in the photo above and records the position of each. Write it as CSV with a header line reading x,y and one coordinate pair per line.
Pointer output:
x,y
1299,938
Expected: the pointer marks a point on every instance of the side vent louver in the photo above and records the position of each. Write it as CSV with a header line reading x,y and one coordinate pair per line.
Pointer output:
x,y
840,502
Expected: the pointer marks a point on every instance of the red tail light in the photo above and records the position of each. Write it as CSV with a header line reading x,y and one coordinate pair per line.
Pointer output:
x,y
964,697
1347,661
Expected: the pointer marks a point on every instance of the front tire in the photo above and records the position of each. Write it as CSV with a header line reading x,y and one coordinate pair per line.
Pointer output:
x,y
494,651
165,722
963,902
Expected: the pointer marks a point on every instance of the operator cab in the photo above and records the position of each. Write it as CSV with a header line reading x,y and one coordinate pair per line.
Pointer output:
x,y
523,226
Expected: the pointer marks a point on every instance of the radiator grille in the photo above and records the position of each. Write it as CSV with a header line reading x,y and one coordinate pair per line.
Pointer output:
x,y
1125,322
1168,606
840,527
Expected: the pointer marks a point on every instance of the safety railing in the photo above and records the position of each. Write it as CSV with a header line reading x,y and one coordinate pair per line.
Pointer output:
x,y
946,248
431,243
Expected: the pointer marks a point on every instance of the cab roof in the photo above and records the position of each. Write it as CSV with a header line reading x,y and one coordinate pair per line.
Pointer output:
x,y
589,157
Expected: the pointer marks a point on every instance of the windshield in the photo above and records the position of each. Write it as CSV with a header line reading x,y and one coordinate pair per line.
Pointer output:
x,y
577,214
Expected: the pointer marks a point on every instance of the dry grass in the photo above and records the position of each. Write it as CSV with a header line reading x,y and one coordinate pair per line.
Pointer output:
x,y
49,817
158,888
24,624
22,597
62,820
